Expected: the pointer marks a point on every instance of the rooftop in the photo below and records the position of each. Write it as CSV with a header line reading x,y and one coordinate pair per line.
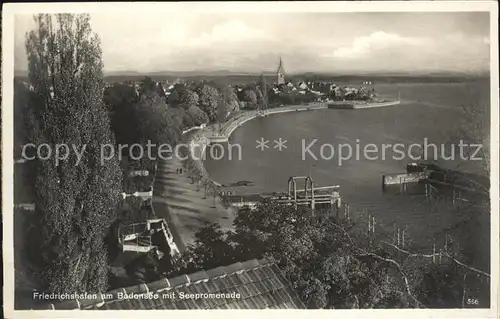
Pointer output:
x,y
259,283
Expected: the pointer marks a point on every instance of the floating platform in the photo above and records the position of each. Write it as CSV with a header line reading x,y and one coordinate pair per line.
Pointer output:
x,y
403,179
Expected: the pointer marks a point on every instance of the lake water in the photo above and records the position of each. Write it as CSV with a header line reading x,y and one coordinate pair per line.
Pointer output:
x,y
429,110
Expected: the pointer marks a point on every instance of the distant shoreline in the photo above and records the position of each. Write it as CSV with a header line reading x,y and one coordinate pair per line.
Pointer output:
x,y
246,77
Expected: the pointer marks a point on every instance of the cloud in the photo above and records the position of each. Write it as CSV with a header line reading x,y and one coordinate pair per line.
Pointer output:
x,y
185,41
180,45
231,31
227,33
365,45
379,50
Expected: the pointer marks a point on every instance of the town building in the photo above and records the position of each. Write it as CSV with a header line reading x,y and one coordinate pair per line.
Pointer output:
x,y
146,236
302,85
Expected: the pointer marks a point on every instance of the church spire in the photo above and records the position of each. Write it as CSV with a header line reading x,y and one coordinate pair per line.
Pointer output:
x,y
280,73
280,66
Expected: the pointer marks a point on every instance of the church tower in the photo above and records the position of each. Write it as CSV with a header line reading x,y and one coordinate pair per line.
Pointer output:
x,y
280,74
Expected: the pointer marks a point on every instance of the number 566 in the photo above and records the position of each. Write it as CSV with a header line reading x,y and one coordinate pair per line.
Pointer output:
x,y
472,301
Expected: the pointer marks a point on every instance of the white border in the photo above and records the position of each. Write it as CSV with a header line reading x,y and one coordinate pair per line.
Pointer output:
x,y
8,12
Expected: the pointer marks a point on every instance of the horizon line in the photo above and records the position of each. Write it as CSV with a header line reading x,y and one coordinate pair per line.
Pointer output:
x,y
330,73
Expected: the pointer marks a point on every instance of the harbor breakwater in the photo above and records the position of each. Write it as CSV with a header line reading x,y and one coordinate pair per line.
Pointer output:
x,y
350,105
364,105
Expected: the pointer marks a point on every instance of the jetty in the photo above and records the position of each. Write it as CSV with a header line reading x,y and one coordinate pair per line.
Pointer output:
x,y
314,197
358,104
352,105
435,177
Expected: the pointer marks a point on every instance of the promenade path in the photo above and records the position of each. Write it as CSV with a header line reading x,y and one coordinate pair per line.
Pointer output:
x,y
185,209
216,133
177,200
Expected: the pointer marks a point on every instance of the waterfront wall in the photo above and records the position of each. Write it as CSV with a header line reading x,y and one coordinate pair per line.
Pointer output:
x,y
353,105
228,128
368,105
203,136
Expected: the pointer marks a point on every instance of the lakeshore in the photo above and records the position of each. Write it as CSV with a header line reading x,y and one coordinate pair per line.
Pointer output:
x,y
423,106
334,209
205,135
186,206
360,188
215,135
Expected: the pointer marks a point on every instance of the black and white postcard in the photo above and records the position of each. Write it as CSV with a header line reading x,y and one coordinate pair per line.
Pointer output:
x,y
250,155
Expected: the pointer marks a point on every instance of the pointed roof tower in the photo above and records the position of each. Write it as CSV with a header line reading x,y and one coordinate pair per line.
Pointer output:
x,y
280,73
280,66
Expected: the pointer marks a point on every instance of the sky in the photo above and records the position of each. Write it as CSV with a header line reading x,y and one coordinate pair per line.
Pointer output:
x,y
346,43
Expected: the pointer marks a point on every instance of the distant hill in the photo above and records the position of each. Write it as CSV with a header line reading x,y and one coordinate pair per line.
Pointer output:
x,y
248,77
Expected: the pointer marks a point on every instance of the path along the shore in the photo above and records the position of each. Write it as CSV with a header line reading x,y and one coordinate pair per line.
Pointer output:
x,y
184,206
221,134
181,203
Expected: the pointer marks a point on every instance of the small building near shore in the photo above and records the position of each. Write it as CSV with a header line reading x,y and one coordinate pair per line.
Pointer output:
x,y
146,236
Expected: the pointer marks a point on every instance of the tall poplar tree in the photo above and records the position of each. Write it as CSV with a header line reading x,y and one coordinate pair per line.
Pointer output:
x,y
74,203
263,88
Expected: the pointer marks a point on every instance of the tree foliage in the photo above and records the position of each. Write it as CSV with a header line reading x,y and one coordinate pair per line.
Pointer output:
x,y
197,115
223,104
188,98
314,256
148,86
328,265
22,97
120,100
250,96
157,122
263,101
74,203
439,287
232,101
209,100
292,98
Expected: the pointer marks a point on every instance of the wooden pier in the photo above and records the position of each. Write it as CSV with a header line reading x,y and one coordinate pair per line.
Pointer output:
x,y
314,197
435,179
311,196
